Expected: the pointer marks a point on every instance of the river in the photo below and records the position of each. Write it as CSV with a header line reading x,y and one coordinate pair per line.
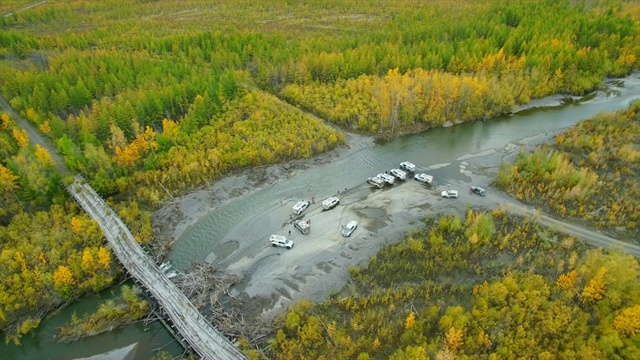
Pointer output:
x,y
441,150
41,345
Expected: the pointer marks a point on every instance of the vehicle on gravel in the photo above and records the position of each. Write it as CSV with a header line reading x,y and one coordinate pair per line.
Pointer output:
x,y
451,194
330,203
424,178
375,181
300,206
478,190
407,166
401,175
387,178
303,226
279,240
348,229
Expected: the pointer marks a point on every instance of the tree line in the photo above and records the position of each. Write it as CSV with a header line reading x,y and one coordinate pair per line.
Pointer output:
x,y
590,173
487,286
51,251
93,97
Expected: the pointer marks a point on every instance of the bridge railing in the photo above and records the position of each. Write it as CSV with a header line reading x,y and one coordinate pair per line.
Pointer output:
x,y
203,338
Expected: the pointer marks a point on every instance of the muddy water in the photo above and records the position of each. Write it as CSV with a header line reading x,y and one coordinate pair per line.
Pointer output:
x,y
443,152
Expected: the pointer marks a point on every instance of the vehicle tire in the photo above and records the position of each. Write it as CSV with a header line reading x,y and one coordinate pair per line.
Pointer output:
x,y
288,247
274,245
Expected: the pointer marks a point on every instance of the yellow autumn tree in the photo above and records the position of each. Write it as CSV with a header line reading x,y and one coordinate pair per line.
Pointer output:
x,y
76,225
28,325
595,288
7,179
21,137
170,129
19,257
628,321
104,258
5,120
88,262
470,217
566,281
454,338
43,157
45,128
63,281
410,320
32,115
127,156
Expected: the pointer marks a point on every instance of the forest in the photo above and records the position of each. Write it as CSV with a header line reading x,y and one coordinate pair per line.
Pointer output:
x,y
591,174
149,99
484,286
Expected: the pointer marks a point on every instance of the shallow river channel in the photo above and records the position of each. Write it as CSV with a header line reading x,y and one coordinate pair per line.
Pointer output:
x,y
441,150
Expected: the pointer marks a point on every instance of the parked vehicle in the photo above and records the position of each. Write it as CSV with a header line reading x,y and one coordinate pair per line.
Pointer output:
x,y
375,181
478,190
330,203
279,240
348,229
303,226
407,166
300,206
387,178
452,194
424,178
398,174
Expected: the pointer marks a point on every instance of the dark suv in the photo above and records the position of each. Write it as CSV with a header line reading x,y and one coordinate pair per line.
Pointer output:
x,y
478,190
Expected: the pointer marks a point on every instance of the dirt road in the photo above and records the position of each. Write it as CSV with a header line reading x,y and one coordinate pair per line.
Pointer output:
x,y
592,237
35,137
27,7
496,198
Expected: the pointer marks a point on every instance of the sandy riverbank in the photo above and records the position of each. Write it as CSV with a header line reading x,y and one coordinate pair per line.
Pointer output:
x,y
319,263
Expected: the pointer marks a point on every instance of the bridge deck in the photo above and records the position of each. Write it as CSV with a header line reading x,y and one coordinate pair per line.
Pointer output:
x,y
203,338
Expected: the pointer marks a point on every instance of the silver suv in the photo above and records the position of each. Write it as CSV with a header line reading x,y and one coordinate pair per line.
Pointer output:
x,y
300,207
279,240
348,229
330,203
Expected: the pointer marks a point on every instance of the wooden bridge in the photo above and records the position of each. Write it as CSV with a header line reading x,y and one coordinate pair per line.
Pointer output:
x,y
198,333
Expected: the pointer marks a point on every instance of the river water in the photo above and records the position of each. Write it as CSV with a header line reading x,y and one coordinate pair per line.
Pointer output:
x,y
481,143
440,150
41,345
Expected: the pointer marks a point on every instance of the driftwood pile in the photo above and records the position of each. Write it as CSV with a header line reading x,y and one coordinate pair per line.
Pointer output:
x,y
208,289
